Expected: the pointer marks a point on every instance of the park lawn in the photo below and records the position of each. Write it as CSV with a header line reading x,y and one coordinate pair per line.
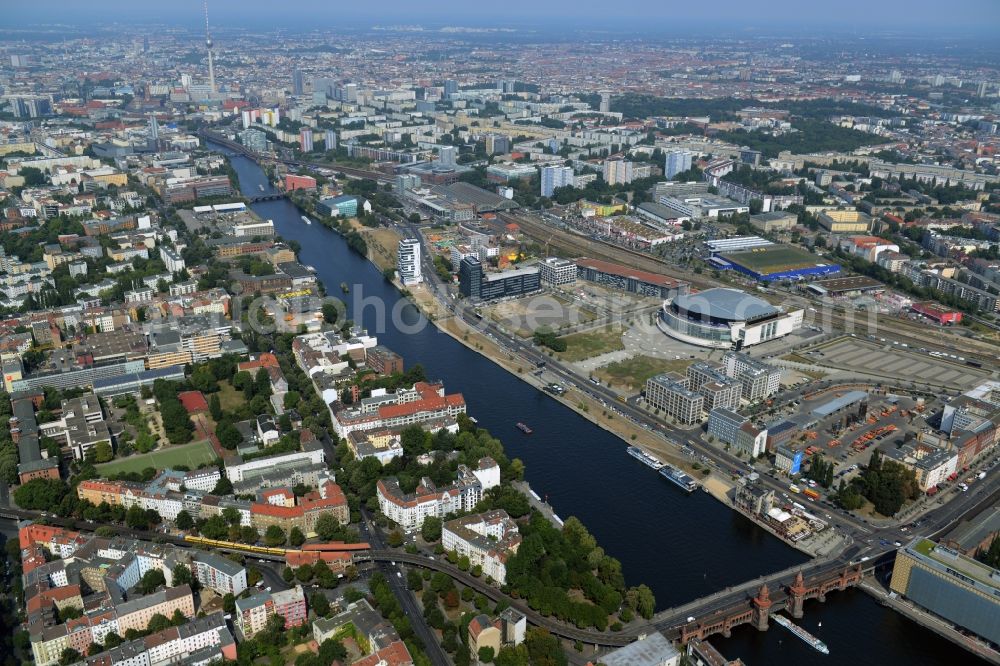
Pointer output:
x,y
192,455
382,244
229,398
592,343
634,372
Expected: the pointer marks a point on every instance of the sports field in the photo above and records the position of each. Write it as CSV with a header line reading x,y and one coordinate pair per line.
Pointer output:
x,y
773,259
192,455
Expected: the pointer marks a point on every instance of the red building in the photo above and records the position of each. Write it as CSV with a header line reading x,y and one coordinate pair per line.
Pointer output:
x,y
938,313
296,182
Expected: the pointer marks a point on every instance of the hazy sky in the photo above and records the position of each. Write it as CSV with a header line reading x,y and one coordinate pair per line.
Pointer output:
x,y
668,15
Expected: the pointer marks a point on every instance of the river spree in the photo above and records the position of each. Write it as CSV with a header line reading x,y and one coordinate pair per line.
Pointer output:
x,y
682,546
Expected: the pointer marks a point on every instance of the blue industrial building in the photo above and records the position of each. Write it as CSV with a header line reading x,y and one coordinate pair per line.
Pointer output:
x,y
953,586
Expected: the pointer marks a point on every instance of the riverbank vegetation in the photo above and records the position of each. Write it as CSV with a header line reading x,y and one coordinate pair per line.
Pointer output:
x,y
552,569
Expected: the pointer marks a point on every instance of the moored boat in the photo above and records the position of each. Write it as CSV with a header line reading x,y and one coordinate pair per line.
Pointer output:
x,y
678,478
801,633
644,457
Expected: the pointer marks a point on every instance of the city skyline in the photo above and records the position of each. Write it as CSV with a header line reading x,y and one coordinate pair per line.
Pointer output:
x,y
741,18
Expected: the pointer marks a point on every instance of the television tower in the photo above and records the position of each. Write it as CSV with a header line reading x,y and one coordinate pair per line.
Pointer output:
x,y
208,44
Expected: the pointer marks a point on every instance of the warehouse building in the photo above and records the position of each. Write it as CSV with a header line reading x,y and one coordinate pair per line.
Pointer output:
x,y
630,280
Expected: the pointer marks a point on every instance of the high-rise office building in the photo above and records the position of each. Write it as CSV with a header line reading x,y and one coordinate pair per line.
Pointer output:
x,y
31,107
407,181
450,87
306,140
349,93
554,177
330,140
496,144
476,284
447,155
605,102
408,261
324,85
145,44
676,162
298,82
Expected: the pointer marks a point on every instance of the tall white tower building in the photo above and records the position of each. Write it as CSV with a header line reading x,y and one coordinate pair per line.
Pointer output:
x,y
408,261
211,64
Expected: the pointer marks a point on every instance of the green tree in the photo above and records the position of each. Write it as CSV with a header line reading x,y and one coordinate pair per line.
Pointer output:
x,y
151,580
203,380
274,536
158,622
215,407
41,494
642,601
543,647
431,529
262,383
320,604
69,655
229,436
184,521
292,400
296,538
67,613
249,534
33,177
485,655
181,575
304,573
414,580
332,650
223,486
103,452
136,518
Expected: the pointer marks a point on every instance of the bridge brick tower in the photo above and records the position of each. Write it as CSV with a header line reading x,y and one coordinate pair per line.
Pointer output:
x,y
761,608
796,596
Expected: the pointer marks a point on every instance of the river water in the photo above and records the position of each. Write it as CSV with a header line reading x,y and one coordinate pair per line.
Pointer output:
x,y
682,546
